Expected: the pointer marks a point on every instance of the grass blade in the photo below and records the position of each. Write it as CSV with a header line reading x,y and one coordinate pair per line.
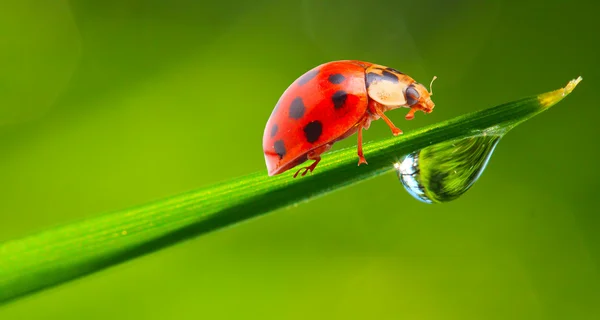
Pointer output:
x,y
64,253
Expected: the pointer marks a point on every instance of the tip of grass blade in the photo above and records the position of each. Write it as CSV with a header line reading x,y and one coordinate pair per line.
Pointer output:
x,y
549,99
571,85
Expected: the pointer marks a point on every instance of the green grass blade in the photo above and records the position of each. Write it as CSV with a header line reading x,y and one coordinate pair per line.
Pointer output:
x,y
64,253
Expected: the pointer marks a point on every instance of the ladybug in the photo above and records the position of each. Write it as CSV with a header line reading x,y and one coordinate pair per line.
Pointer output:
x,y
332,102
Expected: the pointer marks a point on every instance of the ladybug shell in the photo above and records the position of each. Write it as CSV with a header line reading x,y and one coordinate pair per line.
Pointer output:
x,y
320,107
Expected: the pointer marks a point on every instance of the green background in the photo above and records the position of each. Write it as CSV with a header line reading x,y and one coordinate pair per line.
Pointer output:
x,y
109,104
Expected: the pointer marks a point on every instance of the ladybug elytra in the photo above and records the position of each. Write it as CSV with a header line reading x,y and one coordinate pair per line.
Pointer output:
x,y
332,102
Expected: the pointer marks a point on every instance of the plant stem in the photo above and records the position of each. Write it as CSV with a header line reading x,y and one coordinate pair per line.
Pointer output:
x,y
64,253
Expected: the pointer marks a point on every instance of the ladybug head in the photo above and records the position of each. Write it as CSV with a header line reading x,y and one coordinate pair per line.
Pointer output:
x,y
417,95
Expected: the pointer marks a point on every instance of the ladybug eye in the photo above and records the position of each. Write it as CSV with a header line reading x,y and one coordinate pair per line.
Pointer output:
x,y
412,95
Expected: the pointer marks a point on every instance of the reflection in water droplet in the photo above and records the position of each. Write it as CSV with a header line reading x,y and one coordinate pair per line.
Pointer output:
x,y
445,171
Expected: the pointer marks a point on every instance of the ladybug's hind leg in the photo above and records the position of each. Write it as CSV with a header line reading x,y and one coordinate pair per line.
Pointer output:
x,y
314,154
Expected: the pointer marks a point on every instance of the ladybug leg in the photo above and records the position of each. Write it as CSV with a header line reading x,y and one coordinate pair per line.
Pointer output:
x,y
309,168
395,130
361,155
313,155
411,114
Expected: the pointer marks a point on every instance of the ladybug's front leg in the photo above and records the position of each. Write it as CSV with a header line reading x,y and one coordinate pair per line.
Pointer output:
x,y
411,113
314,154
374,109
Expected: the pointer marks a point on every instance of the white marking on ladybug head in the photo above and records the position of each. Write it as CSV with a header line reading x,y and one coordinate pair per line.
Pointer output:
x,y
386,87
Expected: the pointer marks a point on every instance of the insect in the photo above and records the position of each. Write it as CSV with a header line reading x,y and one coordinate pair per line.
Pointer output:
x,y
332,102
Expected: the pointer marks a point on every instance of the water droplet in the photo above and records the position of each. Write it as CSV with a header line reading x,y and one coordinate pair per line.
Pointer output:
x,y
445,171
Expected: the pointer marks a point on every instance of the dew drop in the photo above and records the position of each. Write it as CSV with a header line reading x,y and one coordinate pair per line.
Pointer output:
x,y
445,171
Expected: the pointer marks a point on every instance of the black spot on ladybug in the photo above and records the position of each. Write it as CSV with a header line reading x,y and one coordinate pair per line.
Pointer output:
x,y
313,130
393,70
274,129
384,76
339,98
412,95
389,76
297,108
372,77
305,78
336,78
279,148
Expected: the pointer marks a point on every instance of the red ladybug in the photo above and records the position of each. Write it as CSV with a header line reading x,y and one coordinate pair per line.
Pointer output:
x,y
330,103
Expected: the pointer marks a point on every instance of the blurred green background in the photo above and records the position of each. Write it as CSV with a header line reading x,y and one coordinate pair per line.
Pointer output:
x,y
110,104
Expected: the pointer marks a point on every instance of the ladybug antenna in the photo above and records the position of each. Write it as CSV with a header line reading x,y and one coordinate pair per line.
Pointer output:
x,y
431,86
